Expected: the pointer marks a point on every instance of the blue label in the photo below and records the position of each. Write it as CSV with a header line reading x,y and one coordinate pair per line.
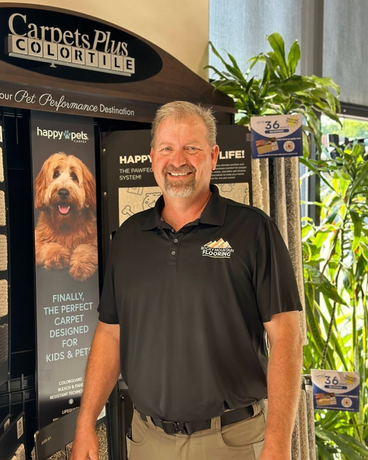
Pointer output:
x,y
334,390
276,136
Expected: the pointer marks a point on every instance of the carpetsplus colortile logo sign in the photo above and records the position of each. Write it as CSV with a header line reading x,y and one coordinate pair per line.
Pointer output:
x,y
49,43
57,43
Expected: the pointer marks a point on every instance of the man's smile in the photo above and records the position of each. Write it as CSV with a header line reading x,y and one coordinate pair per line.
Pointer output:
x,y
179,174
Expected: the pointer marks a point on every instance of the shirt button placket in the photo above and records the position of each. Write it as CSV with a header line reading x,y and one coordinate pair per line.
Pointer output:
x,y
173,251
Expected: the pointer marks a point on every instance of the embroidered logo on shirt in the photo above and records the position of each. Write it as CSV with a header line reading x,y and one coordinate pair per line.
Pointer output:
x,y
219,249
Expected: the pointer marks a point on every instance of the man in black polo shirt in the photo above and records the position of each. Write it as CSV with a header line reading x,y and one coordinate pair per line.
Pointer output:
x,y
191,288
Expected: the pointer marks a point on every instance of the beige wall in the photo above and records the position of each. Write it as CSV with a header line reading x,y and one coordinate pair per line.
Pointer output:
x,y
180,27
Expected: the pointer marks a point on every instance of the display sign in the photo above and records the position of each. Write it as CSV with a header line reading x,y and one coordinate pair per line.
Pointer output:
x,y
55,60
131,186
67,291
276,136
334,390
59,101
71,46
233,174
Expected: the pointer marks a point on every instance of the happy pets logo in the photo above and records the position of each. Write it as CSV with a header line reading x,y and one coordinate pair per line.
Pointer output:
x,y
54,134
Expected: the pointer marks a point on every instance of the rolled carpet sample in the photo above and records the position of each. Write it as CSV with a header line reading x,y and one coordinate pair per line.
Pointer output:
x,y
281,216
4,343
3,252
295,441
265,183
272,185
294,230
303,426
2,209
4,303
311,428
257,197
246,194
1,166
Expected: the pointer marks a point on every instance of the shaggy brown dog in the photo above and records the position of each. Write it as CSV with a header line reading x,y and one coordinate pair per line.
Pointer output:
x,y
66,232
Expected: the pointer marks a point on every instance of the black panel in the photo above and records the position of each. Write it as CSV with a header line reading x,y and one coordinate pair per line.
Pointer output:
x,y
21,264
18,396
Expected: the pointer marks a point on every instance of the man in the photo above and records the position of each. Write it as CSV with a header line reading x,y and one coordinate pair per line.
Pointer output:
x,y
190,290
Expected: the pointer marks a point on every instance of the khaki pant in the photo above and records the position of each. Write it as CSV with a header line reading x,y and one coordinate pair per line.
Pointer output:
x,y
238,441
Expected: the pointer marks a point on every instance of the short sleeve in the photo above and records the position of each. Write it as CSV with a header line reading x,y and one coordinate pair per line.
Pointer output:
x,y
274,277
107,306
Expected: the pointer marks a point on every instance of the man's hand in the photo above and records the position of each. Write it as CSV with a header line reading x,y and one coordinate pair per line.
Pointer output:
x,y
85,445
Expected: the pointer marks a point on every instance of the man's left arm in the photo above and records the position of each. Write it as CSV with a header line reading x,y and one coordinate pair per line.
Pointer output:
x,y
283,384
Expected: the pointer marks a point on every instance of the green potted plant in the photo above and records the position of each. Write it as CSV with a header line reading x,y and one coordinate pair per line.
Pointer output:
x,y
335,253
279,90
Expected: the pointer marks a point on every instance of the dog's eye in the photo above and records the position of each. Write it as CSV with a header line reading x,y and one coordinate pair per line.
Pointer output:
x,y
56,174
74,176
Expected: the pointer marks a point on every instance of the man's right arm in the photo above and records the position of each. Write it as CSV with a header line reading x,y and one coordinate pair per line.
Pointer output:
x,y
102,372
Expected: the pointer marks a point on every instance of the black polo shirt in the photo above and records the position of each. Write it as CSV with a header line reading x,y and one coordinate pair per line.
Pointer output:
x,y
191,306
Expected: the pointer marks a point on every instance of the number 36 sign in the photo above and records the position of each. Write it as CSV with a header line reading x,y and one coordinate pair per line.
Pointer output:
x,y
276,136
334,390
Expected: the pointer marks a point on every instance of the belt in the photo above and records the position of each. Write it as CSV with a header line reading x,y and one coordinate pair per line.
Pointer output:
x,y
232,416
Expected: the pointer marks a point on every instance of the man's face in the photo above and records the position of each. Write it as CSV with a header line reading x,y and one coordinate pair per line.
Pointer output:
x,y
182,159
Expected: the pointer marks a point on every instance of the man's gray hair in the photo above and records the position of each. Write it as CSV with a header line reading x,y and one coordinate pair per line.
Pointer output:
x,y
180,110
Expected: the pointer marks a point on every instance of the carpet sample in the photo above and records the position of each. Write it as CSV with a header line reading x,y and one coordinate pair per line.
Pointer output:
x,y
1,166
310,412
3,252
281,216
2,209
265,181
294,230
257,198
4,343
4,300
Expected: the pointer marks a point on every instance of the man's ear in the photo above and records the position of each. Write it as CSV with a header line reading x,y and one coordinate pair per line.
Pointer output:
x,y
214,156
152,154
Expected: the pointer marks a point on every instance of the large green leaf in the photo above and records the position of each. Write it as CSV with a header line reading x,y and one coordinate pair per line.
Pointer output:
x,y
326,452
361,180
278,45
327,82
292,84
364,248
358,225
321,283
313,168
293,57
348,446
312,319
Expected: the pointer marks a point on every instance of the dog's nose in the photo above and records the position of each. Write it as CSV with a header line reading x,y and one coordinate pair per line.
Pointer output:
x,y
63,194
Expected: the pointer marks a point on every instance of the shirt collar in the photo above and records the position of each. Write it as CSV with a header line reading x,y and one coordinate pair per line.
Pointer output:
x,y
213,213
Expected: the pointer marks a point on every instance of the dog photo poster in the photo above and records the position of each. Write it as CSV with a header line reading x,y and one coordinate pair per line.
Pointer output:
x,y
66,260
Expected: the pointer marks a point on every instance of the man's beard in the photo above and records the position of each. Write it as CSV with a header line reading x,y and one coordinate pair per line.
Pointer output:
x,y
181,187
